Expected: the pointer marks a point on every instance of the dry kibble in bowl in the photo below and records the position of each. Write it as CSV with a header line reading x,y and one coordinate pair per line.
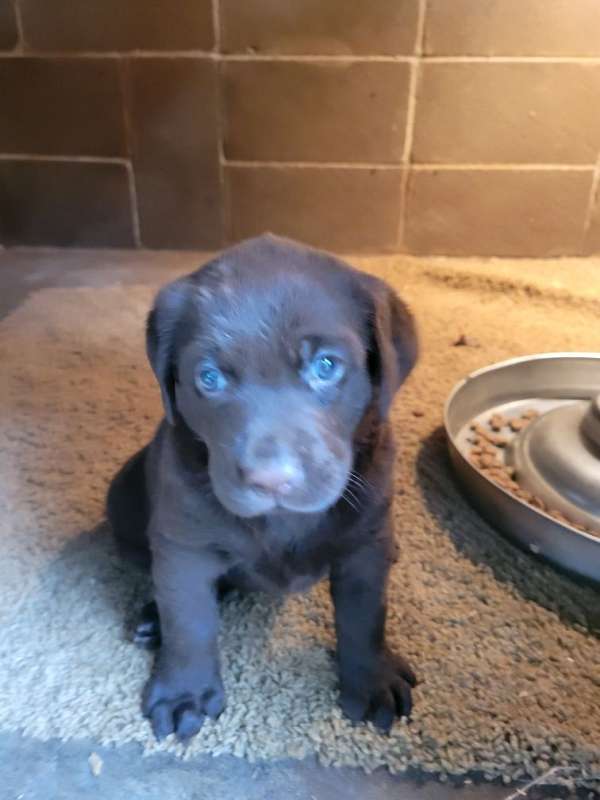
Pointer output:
x,y
518,424
531,413
485,456
497,422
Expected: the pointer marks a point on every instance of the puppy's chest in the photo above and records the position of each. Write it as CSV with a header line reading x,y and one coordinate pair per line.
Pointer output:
x,y
288,560
287,574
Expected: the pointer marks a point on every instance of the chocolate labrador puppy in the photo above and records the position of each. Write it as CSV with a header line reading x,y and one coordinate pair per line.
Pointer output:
x,y
272,469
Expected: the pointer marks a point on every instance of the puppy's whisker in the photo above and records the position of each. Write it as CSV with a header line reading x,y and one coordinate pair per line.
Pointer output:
x,y
357,481
357,477
352,481
351,499
350,503
366,483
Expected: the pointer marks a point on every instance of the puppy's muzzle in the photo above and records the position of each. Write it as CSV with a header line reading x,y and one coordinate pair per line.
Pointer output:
x,y
271,467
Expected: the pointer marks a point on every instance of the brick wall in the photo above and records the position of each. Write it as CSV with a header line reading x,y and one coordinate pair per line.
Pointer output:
x,y
428,126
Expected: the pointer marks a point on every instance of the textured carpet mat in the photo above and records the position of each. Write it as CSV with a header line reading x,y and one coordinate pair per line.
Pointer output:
x,y
508,651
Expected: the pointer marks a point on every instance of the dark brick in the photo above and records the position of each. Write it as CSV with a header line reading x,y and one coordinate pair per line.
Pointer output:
x,y
64,204
119,25
285,111
497,212
495,112
373,27
173,110
340,209
8,25
61,106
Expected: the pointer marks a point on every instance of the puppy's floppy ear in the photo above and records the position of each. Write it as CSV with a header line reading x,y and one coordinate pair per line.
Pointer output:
x,y
393,346
160,335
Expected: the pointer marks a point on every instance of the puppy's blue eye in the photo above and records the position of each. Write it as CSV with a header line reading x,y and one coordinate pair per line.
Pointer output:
x,y
211,380
327,368
324,368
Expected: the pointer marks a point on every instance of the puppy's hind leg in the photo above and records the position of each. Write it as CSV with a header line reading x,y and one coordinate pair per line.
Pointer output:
x,y
147,631
128,512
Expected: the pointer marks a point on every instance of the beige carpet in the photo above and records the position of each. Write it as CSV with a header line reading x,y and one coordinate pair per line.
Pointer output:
x,y
508,651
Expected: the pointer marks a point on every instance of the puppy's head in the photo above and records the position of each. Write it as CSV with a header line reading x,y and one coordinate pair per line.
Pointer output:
x,y
271,355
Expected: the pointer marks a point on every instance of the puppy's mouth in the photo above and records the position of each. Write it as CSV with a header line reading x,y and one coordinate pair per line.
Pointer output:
x,y
243,502
315,495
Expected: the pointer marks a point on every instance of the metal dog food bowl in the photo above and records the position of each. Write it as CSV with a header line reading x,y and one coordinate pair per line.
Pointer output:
x,y
556,457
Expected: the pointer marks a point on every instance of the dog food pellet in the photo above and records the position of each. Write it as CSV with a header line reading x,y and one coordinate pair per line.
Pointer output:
x,y
517,425
497,422
488,460
531,413
507,472
536,502
484,437
524,495
488,448
485,457
582,528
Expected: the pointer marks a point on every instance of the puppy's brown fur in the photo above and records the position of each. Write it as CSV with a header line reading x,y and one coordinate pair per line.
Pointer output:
x,y
272,469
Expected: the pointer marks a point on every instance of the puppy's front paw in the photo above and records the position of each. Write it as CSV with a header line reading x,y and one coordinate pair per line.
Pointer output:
x,y
179,705
378,694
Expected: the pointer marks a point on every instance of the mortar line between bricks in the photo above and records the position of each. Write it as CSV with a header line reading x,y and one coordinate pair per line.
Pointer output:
x,y
124,83
209,55
220,122
216,21
133,202
314,58
225,211
424,167
76,159
413,85
258,164
404,178
233,162
108,54
514,59
19,23
411,113
502,166
301,57
592,201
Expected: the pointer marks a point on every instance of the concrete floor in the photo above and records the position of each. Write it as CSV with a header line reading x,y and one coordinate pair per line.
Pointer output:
x,y
32,770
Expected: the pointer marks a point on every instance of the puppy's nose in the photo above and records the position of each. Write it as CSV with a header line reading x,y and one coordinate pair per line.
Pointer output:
x,y
280,477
